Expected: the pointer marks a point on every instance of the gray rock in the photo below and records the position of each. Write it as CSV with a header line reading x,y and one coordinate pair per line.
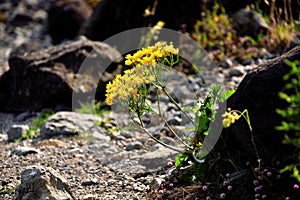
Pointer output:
x,y
180,91
237,80
236,71
23,116
249,22
168,140
16,132
156,159
174,121
130,166
54,76
134,145
69,123
40,183
23,151
226,63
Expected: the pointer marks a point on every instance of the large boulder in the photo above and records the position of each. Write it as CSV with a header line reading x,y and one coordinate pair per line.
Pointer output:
x,y
66,18
48,77
39,183
258,93
111,17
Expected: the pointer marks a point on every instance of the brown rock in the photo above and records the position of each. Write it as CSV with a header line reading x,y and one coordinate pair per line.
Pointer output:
x,y
89,197
48,77
51,142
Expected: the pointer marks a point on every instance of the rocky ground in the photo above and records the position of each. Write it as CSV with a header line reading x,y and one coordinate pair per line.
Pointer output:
x,y
83,163
114,161
110,169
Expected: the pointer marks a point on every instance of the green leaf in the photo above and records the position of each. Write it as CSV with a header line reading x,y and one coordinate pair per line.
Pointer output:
x,y
284,96
228,93
179,159
206,132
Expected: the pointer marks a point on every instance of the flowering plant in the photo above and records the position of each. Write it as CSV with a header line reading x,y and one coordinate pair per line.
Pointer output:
x,y
144,75
133,87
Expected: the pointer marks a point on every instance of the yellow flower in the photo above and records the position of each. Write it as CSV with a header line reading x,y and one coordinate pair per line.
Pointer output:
x,y
170,49
226,122
151,55
128,62
124,87
229,118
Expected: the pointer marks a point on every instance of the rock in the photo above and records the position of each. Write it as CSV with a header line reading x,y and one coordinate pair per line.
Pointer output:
x,y
175,121
134,145
112,17
226,63
51,142
23,151
41,183
236,71
66,18
25,13
258,93
89,182
23,116
68,123
16,132
89,197
48,77
156,159
129,166
249,22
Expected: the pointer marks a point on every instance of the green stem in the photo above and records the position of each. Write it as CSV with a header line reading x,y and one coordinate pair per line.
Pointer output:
x,y
142,126
246,116
167,124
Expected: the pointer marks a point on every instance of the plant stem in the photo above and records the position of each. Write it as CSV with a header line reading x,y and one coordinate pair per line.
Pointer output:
x,y
160,142
177,105
167,124
141,126
246,116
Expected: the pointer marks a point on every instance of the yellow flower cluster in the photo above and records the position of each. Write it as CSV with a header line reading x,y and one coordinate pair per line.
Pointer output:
x,y
123,87
229,118
151,54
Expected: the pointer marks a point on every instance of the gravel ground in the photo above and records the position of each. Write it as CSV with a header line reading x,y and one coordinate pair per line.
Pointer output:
x,y
86,172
